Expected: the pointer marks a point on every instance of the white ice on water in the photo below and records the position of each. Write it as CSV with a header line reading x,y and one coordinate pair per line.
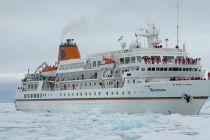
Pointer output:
x,y
94,125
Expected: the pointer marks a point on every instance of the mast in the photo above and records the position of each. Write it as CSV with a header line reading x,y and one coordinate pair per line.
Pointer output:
x,y
177,24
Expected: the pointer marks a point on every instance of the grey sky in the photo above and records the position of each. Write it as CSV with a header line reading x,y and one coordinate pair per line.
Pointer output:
x,y
30,31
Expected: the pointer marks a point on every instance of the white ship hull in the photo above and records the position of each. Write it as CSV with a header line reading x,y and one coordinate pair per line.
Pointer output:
x,y
184,97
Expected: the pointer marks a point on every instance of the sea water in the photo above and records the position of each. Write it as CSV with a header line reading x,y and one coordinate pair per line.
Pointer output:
x,y
94,125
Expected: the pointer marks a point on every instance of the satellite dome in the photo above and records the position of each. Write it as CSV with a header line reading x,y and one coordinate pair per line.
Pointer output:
x,y
135,44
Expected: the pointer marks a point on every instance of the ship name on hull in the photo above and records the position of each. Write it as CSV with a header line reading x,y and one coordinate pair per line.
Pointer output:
x,y
157,89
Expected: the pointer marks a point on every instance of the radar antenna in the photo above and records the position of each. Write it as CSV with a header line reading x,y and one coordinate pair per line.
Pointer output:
x,y
177,24
152,35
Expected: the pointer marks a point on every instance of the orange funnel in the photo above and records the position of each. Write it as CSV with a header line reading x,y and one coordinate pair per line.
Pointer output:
x,y
68,50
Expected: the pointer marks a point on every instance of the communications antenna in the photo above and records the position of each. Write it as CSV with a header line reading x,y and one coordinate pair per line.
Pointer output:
x,y
177,24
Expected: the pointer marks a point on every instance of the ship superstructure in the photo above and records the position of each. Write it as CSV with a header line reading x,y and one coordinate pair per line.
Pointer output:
x,y
154,78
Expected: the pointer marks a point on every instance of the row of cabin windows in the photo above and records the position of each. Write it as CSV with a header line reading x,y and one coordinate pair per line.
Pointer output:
x,y
134,59
93,93
87,84
81,84
167,69
31,96
71,66
32,86
171,69
128,60
65,77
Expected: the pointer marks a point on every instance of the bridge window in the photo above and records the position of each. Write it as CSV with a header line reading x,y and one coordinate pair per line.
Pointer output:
x,y
175,69
133,58
127,60
194,69
122,61
94,63
138,58
98,63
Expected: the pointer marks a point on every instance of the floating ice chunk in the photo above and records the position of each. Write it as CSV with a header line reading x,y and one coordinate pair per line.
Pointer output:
x,y
129,123
94,115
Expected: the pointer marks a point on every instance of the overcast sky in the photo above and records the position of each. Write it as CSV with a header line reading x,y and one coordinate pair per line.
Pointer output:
x,y
31,30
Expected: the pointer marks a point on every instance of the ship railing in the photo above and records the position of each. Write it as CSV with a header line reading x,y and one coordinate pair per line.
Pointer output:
x,y
186,78
78,78
197,64
171,62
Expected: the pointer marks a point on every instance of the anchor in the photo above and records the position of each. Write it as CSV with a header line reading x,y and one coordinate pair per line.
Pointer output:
x,y
187,97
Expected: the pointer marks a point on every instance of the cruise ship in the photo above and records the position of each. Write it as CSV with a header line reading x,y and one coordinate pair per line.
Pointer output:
x,y
156,78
